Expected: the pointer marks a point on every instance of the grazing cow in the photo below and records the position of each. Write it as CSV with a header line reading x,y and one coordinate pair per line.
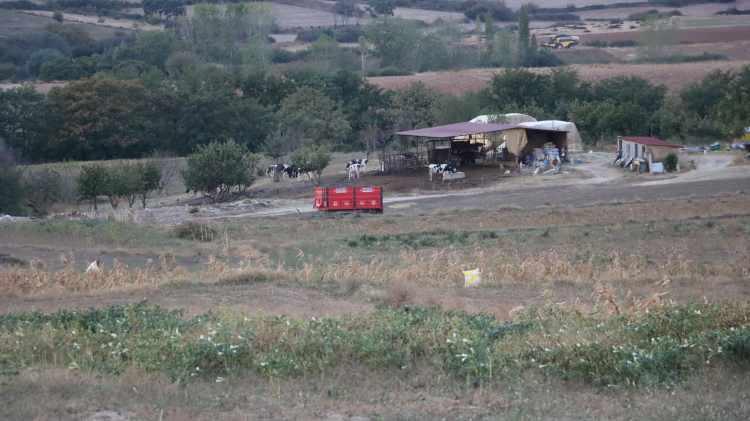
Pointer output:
x,y
94,267
354,170
362,163
291,171
435,169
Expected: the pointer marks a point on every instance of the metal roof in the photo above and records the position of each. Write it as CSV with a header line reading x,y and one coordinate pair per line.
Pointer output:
x,y
457,129
649,141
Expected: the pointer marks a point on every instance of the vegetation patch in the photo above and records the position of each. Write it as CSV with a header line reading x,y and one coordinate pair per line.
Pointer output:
x,y
663,345
415,240
195,231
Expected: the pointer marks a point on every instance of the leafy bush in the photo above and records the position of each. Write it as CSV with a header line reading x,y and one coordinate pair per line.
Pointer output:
x,y
11,189
654,14
389,71
42,189
670,162
217,169
7,71
663,345
312,160
195,231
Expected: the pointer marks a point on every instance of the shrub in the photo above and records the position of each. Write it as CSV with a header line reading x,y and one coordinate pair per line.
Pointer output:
x,y
670,163
7,71
11,189
42,189
312,160
195,231
218,168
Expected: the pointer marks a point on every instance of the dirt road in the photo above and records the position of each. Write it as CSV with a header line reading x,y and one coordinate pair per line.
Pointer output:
x,y
600,183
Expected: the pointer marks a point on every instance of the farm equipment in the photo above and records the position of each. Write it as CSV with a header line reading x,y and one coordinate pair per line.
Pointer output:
x,y
562,41
349,198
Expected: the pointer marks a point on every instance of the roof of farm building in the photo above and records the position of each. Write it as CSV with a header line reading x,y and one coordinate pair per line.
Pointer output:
x,y
649,141
457,129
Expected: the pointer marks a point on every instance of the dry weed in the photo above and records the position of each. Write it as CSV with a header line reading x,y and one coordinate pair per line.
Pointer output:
x,y
400,294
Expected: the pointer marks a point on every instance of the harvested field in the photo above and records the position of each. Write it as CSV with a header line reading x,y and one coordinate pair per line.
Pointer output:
x,y
428,16
706,9
683,36
674,76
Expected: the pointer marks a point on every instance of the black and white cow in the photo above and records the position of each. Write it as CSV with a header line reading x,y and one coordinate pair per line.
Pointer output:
x,y
436,169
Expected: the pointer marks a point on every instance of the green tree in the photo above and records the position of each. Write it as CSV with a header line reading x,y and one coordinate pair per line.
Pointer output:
x,y
395,42
26,122
42,189
734,108
703,98
518,86
313,117
218,169
102,119
11,189
382,7
504,50
62,68
166,8
524,55
312,159
39,57
92,182
415,107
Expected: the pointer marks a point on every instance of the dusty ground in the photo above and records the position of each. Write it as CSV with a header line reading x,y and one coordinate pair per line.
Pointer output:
x,y
348,394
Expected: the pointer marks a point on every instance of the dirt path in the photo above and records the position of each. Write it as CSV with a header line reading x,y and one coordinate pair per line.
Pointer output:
x,y
599,183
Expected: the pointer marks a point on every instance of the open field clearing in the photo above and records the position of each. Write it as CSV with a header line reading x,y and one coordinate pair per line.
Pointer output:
x,y
17,23
682,36
706,9
674,76
99,21
602,295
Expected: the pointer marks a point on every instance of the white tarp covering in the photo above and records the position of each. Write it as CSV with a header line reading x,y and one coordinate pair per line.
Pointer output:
x,y
573,137
512,118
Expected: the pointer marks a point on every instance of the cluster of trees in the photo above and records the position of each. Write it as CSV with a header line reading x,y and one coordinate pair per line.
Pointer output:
x,y
35,191
716,107
126,181
60,51
507,48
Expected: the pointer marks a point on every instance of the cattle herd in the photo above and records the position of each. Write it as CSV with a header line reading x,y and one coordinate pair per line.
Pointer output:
x,y
279,170
354,169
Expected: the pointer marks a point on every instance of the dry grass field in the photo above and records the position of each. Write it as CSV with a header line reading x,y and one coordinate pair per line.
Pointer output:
x,y
585,310
16,23
674,76
274,276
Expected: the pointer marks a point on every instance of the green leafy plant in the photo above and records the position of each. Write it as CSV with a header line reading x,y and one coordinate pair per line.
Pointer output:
x,y
218,169
670,162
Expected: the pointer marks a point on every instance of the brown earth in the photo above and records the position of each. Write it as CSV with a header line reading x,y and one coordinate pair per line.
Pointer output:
x,y
673,76
683,36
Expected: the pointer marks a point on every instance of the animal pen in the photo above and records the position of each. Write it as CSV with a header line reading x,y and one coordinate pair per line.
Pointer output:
x,y
479,143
